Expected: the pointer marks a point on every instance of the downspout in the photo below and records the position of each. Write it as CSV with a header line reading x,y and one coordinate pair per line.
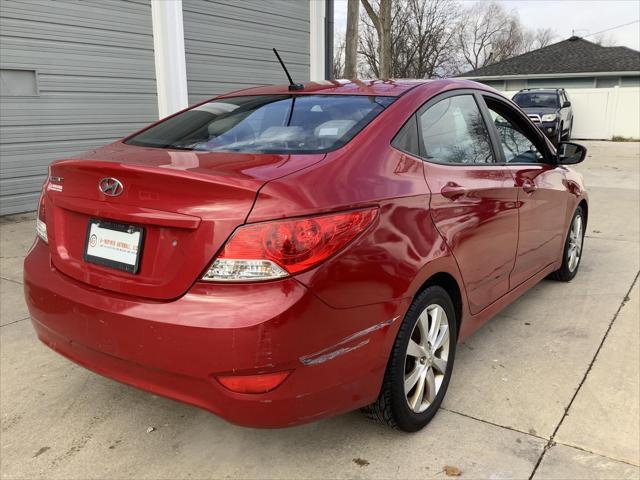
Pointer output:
x,y
328,40
169,53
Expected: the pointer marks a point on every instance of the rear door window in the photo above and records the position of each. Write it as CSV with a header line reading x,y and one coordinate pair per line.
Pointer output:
x,y
453,131
407,138
266,124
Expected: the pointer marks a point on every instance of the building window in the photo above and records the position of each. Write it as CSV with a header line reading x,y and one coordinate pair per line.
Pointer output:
x,y
18,83
515,85
630,81
497,84
607,82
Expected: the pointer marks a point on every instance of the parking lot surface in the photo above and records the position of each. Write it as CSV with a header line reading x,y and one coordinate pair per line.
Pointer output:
x,y
549,389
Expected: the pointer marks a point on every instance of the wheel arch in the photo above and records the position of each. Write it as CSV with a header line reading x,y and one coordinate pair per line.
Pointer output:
x,y
585,208
450,285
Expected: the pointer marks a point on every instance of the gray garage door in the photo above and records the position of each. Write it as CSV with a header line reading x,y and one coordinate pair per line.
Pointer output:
x,y
79,74
75,75
228,43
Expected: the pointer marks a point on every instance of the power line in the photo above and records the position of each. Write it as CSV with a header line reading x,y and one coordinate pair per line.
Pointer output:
x,y
612,28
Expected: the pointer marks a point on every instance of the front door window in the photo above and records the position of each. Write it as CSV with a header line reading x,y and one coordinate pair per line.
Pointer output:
x,y
517,147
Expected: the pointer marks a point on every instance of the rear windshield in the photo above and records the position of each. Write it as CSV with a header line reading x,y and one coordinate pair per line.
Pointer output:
x,y
544,100
266,124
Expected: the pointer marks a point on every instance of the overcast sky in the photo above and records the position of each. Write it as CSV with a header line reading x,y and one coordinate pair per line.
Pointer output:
x,y
584,16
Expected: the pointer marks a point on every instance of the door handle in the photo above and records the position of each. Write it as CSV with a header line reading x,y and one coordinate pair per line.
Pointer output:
x,y
453,191
528,186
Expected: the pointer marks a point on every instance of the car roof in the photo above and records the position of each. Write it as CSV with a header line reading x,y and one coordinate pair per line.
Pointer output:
x,y
541,90
388,88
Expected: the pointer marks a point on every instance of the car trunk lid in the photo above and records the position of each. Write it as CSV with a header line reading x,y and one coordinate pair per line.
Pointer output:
x,y
186,204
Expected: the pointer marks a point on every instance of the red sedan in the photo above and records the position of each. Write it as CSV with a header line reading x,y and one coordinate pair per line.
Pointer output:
x,y
279,256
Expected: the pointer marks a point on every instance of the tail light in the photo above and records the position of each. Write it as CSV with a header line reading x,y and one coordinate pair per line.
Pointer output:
x,y
269,250
41,221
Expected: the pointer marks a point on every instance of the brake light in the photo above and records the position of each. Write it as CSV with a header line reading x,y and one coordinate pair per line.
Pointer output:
x,y
264,251
41,221
253,383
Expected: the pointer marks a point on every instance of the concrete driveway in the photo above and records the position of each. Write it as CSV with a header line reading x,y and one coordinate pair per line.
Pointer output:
x,y
548,389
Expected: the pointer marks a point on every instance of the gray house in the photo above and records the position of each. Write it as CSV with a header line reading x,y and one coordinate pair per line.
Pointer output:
x,y
571,63
603,84
77,75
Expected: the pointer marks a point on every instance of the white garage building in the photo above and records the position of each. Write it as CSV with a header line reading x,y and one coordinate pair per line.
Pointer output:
x,y
603,84
75,75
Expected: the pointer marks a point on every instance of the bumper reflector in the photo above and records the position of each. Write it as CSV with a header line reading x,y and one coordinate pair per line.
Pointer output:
x,y
41,220
253,383
41,230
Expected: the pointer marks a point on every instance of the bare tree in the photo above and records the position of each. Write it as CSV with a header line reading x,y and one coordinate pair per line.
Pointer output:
x,y
488,34
435,38
510,41
604,40
338,57
421,39
381,20
368,49
370,42
351,45
540,38
543,37
430,37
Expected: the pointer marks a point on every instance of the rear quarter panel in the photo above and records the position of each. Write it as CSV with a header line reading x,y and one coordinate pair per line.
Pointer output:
x,y
394,257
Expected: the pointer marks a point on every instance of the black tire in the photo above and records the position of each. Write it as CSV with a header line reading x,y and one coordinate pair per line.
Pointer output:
x,y
567,137
392,407
558,138
566,273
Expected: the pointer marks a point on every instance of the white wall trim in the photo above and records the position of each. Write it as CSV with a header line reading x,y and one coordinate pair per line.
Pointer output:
x,y
632,73
316,39
168,46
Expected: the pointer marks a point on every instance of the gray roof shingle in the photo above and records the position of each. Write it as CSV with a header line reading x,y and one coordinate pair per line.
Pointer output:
x,y
574,55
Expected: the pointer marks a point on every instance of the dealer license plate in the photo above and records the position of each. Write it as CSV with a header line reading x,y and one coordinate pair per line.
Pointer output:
x,y
114,245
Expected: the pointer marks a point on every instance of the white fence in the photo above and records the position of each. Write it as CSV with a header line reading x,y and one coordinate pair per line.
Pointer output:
x,y
603,113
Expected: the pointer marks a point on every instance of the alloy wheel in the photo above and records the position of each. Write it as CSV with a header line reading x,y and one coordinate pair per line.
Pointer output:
x,y
574,248
426,358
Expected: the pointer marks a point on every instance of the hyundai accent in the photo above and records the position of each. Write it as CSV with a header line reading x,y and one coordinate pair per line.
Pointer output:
x,y
277,255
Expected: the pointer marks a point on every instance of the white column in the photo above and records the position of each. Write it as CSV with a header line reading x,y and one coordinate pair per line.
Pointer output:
x,y
316,39
168,45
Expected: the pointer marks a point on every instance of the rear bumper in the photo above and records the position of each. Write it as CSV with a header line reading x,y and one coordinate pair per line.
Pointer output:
x,y
176,349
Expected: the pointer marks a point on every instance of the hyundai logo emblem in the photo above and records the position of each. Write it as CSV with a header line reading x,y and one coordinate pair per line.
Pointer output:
x,y
110,186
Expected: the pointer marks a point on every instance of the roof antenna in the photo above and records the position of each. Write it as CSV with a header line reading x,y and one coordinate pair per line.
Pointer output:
x,y
292,86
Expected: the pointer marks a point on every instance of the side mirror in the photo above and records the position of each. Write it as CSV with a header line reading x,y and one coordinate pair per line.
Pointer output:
x,y
566,104
571,153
